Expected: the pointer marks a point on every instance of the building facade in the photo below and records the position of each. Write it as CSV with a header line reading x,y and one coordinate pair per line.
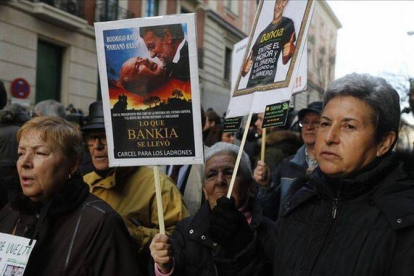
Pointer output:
x,y
50,44
322,37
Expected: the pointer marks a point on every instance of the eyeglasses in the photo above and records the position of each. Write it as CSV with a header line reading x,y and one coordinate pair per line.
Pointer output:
x,y
314,124
90,139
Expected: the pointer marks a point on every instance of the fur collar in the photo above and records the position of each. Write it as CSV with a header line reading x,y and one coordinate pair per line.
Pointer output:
x,y
279,136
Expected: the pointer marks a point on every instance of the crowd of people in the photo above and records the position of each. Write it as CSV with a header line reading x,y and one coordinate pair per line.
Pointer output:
x,y
330,197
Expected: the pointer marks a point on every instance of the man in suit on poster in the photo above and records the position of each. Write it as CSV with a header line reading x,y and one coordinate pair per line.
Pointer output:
x,y
168,44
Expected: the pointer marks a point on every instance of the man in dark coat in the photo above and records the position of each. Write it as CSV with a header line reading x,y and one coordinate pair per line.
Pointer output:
x,y
11,119
354,214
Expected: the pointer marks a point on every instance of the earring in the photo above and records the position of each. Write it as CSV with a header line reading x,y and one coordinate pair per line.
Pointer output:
x,y
70,176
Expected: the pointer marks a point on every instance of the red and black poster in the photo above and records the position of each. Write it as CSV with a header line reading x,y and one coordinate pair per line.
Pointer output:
x,y
149,81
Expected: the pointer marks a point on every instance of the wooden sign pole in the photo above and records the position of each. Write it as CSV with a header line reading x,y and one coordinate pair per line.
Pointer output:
x,y
262,154
236,166
159,199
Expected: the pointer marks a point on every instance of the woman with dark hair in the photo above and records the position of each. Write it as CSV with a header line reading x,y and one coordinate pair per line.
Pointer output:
x,y
354,214
76,233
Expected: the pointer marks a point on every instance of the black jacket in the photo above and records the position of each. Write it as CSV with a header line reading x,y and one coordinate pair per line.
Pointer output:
x,y
11,119
76,233
361,226
196,254
181,69
291,168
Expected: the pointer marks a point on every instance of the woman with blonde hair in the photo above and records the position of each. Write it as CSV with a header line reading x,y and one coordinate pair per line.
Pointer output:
x,y
76,233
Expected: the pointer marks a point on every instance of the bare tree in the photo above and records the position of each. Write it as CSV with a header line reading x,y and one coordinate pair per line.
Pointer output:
x,y
148,101
177,93
156,100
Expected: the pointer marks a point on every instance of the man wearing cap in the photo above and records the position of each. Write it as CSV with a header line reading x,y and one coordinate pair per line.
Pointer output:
x,y
130,190
274,189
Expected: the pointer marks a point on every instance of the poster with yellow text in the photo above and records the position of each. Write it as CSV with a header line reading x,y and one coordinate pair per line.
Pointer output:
x,y
149,81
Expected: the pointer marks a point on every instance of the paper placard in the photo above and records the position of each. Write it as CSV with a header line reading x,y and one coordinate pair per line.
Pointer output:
x,y
150,96
232,124
14,254
271,69
276,115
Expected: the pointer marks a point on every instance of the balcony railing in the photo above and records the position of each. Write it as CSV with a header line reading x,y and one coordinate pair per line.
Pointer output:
x,y
108,10
105,10
74,7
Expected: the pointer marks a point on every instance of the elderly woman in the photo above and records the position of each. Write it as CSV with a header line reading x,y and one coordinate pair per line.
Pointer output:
x,y
354,214
75,232
226,236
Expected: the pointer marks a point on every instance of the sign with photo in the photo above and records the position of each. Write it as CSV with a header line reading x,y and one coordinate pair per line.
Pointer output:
x,y
271,64
149,81
239,50
14,254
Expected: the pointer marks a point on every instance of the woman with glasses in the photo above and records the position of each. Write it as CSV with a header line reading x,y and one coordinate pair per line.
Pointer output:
x,y
274,189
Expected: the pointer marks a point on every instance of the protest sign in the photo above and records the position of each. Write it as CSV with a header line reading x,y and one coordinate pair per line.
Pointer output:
x,y
14,254
232,124
239,50
149,81
272,60
275,115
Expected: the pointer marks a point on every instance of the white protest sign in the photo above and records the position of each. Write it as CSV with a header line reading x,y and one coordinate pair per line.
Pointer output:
x,y
273,57
151,99
239,50
14,254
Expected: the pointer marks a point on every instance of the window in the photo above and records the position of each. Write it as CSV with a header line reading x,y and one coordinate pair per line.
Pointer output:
x,y
151,8
233,6
227,64
108,10
48,71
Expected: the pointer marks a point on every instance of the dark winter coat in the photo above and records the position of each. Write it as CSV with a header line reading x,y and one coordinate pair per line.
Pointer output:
x,y
291,168
196,254
279,145
358,227
76,233
11,119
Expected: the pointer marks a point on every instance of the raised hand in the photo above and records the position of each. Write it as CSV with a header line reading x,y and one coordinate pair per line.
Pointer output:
x,y
289,48
261,174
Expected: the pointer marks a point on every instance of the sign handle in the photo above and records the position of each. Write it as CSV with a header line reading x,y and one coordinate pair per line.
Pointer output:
x,y
236,166
159,198
263,149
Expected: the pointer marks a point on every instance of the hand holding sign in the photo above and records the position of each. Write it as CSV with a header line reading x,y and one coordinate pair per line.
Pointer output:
x,y
229,227
247,65
161,252
261,174
289,48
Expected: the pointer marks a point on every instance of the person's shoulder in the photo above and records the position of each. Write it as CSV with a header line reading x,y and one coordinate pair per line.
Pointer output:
x,y
145,175
395,195
90,177
96,205
286,20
